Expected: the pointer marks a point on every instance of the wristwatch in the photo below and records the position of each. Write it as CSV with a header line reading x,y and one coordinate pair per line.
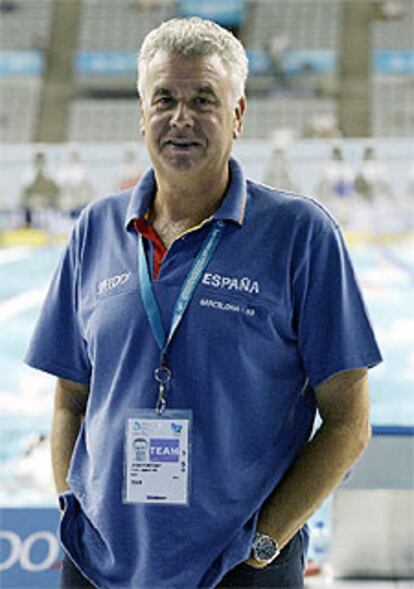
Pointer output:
x,y
264,548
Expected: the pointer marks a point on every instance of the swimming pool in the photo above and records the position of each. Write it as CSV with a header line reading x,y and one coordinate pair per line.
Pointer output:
x,y
385,272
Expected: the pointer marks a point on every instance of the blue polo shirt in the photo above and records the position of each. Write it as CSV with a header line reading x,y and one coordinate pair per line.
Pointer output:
x,y
277,311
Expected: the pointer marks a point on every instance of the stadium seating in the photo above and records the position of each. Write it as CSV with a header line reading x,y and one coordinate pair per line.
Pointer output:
x,y
310,30
398,33
27,26
392,97
263,115
120,25
103,120
392,101
18,108
308,25
25,35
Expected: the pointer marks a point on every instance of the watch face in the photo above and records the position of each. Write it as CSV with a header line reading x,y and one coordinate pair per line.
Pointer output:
x,y
265,548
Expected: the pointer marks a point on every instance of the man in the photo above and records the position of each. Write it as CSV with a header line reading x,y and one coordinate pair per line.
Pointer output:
x,y
210,316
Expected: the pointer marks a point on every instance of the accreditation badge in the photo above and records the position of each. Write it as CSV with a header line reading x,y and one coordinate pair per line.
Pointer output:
x,y
157,457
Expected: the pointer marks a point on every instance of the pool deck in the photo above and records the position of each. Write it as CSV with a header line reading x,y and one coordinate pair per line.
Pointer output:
x,y
318,583
327,581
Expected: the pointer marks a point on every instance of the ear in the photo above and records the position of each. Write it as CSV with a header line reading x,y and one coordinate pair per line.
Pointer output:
x,y
239,111
142,118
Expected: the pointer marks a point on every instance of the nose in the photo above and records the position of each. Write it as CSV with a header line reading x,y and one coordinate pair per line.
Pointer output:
x,y
182,116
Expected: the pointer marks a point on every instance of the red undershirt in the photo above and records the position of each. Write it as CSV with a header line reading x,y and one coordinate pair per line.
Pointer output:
x,y
148,231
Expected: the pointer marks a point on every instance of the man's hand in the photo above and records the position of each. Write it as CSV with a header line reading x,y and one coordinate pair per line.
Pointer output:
x,y
252,562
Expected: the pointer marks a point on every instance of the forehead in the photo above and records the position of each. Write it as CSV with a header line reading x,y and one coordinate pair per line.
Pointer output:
x,y
178,71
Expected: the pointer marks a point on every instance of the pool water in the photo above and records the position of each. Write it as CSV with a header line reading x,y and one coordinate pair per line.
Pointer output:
x,y
386,275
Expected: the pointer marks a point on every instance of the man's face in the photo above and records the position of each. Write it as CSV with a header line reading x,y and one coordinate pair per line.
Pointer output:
x,y
188,115
140,444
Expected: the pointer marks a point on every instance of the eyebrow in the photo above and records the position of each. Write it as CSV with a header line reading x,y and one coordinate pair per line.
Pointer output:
x,y
206,89
161,91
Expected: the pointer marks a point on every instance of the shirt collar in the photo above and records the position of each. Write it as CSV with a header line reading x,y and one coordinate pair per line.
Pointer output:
x,y
232,207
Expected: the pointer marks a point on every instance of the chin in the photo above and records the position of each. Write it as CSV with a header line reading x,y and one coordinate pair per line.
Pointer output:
x,y
182,164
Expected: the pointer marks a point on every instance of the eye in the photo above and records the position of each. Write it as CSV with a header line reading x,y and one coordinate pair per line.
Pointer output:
x,y
164,100
202,101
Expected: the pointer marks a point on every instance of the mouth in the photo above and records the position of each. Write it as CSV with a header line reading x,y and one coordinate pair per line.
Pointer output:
x,y
182,144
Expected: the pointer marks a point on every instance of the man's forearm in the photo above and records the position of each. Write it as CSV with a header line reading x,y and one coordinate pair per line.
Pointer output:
x,y
70,406
65,430
318,469
343,404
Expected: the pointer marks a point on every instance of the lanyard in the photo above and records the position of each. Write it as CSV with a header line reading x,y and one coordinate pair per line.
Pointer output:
x,y
162,374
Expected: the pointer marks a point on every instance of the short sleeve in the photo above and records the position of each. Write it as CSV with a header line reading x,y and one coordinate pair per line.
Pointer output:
x,y
334,330
57,346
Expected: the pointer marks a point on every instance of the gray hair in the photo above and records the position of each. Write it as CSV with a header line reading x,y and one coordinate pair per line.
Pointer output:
x,y
196,37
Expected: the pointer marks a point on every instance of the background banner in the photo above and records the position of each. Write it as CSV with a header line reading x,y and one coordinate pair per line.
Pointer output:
x,y
30,554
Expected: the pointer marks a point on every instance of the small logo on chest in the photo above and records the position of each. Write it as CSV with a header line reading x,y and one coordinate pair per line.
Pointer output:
x,y
113,282
244,284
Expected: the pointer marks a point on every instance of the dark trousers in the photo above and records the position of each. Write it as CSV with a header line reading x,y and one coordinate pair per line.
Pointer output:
x,y
286,572
71,577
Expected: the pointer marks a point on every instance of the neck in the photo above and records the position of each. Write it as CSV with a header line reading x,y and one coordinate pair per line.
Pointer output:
x,y
188,203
